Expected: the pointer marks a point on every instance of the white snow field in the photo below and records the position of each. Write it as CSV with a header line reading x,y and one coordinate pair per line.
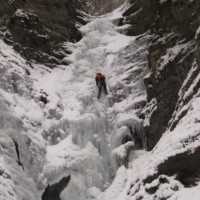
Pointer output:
x,y
52,124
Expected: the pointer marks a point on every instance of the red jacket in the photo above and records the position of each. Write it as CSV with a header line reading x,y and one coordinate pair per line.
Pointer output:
x,y
100,79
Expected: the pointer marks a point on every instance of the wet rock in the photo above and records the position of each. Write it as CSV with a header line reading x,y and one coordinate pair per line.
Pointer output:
x,y
185,165
171,52
174,62
38,28
52,192
198,46
43,97
27,72
141,15
166,85
101,7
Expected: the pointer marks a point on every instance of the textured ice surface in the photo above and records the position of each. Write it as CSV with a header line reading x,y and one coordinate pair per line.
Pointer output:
x,y
53,125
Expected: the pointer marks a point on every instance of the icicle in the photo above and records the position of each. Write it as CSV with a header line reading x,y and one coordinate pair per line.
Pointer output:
x,y
120,155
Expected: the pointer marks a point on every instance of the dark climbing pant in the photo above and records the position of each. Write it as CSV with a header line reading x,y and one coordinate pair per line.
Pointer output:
x,y
103,85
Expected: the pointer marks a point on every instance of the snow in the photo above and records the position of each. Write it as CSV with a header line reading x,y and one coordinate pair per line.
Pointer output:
x,y
187,193
162,1
120,155
117,186
74,133
60,126
82,149
197,33
21,118
21,13
184,138
172,53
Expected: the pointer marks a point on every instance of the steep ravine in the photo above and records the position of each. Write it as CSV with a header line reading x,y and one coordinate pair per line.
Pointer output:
x,y
58,141
37,28
93,138
64,143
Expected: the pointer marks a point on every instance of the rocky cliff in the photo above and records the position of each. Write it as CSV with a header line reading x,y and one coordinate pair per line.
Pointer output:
x,y
37,28
96,7
172,91
172,50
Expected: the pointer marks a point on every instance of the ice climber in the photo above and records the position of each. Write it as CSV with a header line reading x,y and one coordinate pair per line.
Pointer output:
x,y
101,83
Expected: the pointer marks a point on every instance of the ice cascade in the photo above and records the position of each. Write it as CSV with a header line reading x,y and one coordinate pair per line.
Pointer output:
x,y
61,128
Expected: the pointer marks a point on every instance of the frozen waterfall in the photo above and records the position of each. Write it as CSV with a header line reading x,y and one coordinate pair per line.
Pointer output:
x,y
68,130
95,137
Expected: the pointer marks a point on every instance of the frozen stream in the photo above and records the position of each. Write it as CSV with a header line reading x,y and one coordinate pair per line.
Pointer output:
x,y
71,132
90,138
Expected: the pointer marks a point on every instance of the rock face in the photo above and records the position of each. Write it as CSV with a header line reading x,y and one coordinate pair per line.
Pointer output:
x,y
96,7
172,89
141,15
171,49
37,28
53,192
